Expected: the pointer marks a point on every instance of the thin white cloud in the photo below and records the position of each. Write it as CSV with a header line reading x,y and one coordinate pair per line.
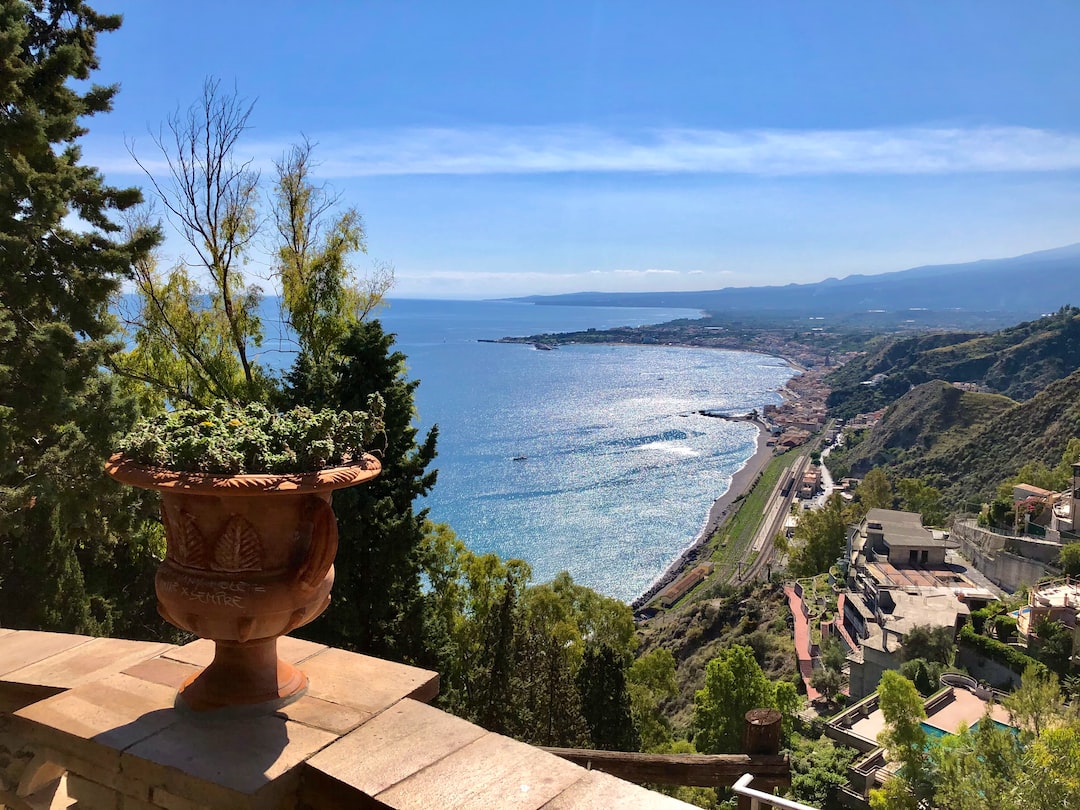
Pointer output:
x,y
488,283
646,272
551,150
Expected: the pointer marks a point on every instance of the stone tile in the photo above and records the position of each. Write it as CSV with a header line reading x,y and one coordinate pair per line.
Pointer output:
x,y
25,647
297,650
332,717
239,756
201,652
164,671
159,797
97,720
404,739
366,683
493,771
93,660
14,696
599,791
91,794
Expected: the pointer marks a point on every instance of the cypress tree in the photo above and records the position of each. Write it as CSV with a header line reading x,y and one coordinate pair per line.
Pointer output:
x,y
378,605
63,565
605,701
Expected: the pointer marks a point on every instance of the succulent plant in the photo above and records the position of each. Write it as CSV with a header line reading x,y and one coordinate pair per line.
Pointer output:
x,y
235,439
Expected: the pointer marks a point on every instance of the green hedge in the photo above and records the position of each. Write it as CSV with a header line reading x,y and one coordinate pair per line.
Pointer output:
x,y
1002,653
1005,627
980,617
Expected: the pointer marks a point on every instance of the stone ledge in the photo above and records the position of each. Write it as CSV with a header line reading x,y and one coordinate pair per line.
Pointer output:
x,y
361,737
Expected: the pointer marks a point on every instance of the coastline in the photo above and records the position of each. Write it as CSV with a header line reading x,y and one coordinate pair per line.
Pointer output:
x,y
741,482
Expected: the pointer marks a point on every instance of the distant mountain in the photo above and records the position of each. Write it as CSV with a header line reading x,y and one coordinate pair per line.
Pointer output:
x,y
1025,286
1018,362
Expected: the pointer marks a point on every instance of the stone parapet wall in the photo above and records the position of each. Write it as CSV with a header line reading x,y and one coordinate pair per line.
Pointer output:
x,y
92,722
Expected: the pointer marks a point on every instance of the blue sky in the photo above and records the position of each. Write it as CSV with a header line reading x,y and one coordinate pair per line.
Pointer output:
x,y
502,149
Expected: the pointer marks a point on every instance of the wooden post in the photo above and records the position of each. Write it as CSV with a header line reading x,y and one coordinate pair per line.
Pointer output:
x,y
761,735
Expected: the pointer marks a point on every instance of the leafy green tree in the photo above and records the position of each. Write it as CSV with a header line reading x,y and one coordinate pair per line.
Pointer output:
x,y
71,557
787,701
650,679
924,674
833,655
735,684
828,682
819,538
547,664
1050,774
918,496
988,766
936,644
1064,468
321,294
548,700
976,769
475,617
597,619
1069,558
1054,646
560,619
875,490
906,743
1037,700
818,771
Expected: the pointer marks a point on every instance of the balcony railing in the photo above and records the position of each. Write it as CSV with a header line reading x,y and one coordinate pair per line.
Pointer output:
x,y
753,799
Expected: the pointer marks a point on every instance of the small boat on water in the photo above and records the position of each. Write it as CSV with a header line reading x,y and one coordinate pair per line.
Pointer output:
x,y
519,458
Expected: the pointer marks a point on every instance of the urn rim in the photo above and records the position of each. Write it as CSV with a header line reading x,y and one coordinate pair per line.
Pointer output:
x,y
128,471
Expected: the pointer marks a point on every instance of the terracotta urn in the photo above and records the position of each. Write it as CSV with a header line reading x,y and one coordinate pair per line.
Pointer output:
x,y
249,558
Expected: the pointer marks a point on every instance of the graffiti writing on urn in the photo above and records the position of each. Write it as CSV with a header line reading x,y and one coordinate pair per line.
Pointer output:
x,y
227,594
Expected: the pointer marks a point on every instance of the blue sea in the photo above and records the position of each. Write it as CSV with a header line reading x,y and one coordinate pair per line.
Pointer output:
x,y
618,472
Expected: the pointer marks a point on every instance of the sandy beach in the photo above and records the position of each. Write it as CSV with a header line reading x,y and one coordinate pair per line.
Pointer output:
x,y
741,482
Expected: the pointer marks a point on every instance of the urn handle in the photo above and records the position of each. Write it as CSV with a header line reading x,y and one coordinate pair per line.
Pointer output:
x,y
320,524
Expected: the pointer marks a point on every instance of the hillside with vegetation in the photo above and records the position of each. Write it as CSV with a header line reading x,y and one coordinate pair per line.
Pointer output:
x,y
1018,362
964,443
929,419
704,625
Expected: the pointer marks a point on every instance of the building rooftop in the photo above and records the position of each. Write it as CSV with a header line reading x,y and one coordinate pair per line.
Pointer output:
x,y
900,529
946,711
926,606
1062,593
946,576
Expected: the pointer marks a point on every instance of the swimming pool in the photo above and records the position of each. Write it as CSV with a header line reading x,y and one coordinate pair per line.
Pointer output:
x,y
936,733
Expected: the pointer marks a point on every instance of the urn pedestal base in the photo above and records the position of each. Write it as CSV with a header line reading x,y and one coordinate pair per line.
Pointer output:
x,y
249,675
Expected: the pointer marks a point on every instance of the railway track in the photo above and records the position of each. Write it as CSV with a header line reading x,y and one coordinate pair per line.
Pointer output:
x,y
776,513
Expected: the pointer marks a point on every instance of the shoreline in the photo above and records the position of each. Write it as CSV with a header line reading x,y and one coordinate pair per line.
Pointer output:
x,y
741,481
